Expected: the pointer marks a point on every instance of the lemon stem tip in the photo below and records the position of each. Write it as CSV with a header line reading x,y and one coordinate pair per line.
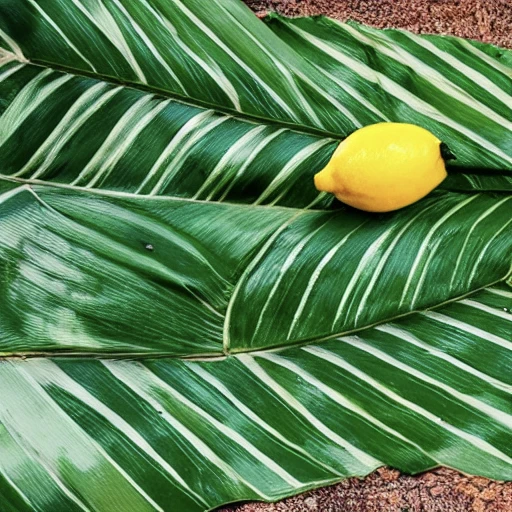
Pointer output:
x,y
446,152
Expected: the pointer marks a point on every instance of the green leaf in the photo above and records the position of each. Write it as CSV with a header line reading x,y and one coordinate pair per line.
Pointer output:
x,y
432,388
238,277
98,135
458,91
185,321
288,76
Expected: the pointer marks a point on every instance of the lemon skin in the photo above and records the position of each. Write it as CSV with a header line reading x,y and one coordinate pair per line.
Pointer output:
x,y
384,167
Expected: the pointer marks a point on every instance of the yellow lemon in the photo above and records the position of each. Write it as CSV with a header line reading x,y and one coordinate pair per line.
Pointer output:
x,y
384,167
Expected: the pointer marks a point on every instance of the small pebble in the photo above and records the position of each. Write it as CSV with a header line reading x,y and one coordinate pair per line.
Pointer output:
x,y
311,503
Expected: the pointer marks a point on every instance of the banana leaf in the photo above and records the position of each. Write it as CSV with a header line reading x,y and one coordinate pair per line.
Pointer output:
x,y
186,322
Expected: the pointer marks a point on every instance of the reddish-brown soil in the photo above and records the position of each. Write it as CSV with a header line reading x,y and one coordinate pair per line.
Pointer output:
x,y
386,490
487,20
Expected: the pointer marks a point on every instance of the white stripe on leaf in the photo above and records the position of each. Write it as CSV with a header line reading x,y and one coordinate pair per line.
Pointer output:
x,y
331,99
406,336
116,154
64,128
248,69
148,381
211,68
493,62
423,248
37,458
314,278
28,99
290,167
65,438
247,272
189,127
474,271
257,420
283,69
470,329
472,439
502,293
158,56
470,401
352,92
504,315
399,54
363,266
290,259
10,71
100,17
15,54
399,92
470,72
48,372
179,158
61,138
257,150
232,157
361,458
383,260
462,252
14,192
118,132
62,35
337,397
16,488
136,378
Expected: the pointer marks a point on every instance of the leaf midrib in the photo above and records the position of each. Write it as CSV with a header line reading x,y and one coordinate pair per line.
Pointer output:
x,y
131,195
6,356
179,98
197,103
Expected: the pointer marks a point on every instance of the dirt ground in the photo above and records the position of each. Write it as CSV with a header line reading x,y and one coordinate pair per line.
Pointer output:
x,y
487,20
386,490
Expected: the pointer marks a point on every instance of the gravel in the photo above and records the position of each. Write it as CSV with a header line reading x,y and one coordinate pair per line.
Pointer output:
x,y
488,20
386,490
